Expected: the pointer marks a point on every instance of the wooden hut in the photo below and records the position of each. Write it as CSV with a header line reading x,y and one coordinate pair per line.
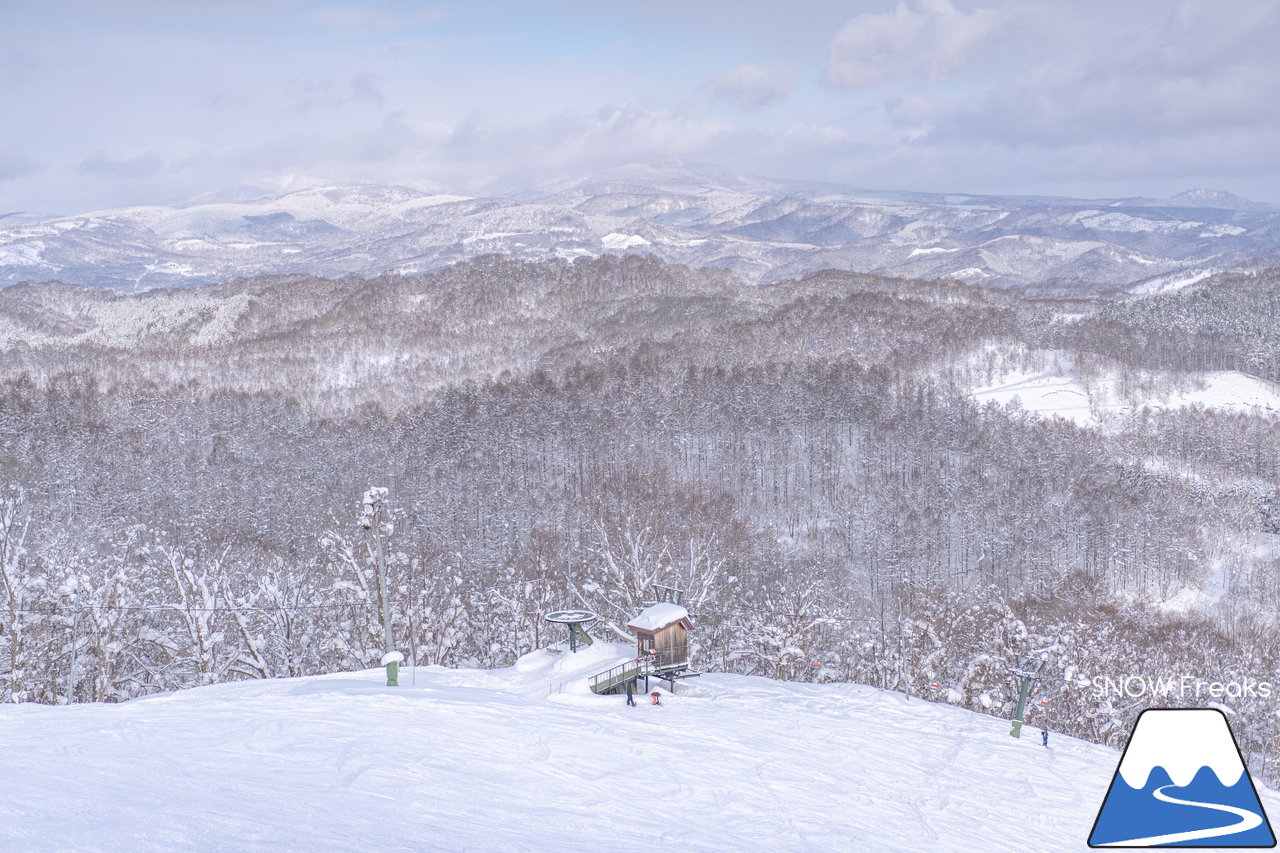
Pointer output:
x,y
662,636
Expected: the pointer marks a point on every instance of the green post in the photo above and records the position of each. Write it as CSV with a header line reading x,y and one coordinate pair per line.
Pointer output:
x,y
392,661
1028,677
1022,706
578,636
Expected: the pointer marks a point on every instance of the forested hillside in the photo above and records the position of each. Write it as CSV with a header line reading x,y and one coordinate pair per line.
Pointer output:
x,y
183,470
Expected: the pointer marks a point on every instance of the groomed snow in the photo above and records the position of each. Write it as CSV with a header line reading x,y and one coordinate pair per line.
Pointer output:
x,y
526,758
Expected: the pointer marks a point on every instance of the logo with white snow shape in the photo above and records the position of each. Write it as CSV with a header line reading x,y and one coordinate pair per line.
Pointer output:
x,y
1181,783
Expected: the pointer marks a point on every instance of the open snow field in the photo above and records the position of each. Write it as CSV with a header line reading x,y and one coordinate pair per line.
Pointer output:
x,y
1061,394
526,758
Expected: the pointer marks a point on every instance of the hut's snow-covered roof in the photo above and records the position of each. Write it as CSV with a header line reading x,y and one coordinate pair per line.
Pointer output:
x,y
659,616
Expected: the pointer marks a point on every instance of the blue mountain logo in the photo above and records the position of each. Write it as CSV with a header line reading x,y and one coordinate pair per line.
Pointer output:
x,y
1181,783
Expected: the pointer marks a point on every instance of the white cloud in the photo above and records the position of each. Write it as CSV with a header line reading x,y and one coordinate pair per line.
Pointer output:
x,y
923,42
965,95
571,143
753,87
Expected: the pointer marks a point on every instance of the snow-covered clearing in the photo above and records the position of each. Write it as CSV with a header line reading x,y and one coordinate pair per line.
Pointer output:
x,y
1059,392
1044,393
1229,391
526,758
1173,281
622,241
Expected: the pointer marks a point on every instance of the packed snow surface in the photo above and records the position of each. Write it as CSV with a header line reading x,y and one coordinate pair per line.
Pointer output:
x,y
527,758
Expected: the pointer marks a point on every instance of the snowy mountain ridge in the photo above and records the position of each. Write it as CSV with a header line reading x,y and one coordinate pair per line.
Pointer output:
x,y
695,214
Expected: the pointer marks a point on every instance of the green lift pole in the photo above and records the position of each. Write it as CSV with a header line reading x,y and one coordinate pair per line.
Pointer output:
x,y
374,518
1028,676
578,636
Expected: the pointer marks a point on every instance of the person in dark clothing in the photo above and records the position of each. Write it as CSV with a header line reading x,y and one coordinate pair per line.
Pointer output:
x,y
1044,736
631,699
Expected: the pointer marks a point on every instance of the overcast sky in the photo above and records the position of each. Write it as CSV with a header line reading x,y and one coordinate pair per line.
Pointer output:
x,y
113,103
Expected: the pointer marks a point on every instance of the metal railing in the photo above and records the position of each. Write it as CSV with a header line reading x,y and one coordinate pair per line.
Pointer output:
x,y
611,678
670,657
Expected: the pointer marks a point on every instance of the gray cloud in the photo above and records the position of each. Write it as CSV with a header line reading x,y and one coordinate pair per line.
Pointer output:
x,y
924,42
1203,71
1070,93
325,93
15,163
364,88
753,87
140,165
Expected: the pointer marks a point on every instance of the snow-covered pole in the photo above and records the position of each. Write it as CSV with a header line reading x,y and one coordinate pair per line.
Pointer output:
x,y
75,641
373,517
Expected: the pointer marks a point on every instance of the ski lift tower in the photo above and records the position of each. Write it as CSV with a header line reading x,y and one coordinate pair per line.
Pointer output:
x,y
1027,672
577,620
667,594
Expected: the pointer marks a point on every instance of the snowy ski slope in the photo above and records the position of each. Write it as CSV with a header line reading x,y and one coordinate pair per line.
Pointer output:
x,y
526,758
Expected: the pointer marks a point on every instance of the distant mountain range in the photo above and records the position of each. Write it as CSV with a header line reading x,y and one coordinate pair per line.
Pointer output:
x,y
696,214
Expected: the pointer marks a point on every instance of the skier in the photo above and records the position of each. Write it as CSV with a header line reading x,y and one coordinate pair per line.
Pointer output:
x,y
631,699
1044,737
657,697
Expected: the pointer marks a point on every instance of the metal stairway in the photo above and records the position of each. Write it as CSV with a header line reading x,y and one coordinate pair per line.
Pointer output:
x,y
658,666
610,679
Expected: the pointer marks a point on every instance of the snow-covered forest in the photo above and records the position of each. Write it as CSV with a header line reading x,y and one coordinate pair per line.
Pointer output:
x,y
181,472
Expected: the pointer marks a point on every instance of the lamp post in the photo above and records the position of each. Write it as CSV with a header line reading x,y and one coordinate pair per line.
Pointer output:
x,y
373,517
